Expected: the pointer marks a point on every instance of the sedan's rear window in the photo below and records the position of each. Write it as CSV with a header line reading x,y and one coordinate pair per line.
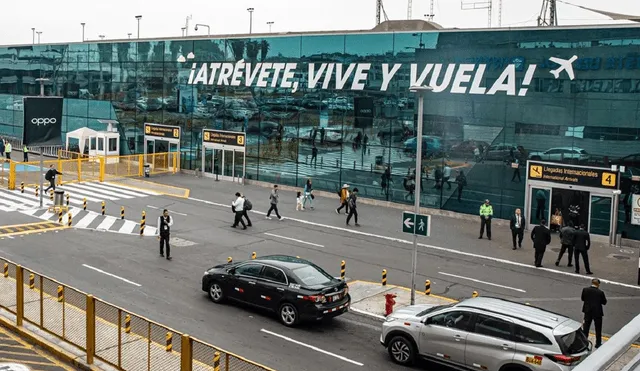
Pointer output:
x,y
310,275
574,342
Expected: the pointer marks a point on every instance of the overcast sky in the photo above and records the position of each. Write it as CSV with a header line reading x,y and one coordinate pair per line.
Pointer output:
x,y
60,21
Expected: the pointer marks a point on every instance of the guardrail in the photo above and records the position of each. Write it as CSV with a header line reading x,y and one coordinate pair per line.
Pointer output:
x,y
49,151
107,332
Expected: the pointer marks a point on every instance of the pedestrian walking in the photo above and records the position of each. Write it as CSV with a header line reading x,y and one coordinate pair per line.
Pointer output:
x,y
164,232
247,207
541,237
476,154
238,208
7,150
541,200
593,299
566,239
517,224
486,213
314,156
25,156
461,180
386,180
353,209
516,170
344,197
299,201
273,199
2,145
446,175
51,177
582,243
308,194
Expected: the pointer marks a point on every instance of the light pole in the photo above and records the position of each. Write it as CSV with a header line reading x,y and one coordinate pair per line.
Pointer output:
x,y
33,35
39,33
82,24
420,91
129,34
138,17
183,29
270,23
250,10
203,25
41,80
101,37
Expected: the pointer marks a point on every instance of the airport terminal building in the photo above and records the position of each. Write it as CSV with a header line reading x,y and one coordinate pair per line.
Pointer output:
x,y
533,117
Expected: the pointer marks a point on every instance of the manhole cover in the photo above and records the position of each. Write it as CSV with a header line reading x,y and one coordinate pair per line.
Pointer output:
x,y
13,367
619,257
179,242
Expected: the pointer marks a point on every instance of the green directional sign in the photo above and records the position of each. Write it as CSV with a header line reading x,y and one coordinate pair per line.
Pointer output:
x,y
416,224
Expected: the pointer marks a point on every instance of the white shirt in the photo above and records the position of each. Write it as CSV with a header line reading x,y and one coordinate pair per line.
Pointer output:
x,y
239,204
518,220
446,172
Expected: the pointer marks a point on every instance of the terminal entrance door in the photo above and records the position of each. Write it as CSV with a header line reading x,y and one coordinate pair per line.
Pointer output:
x,y
162,146
223,155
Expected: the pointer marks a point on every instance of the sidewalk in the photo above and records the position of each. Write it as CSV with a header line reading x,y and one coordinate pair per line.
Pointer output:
x,y
454,233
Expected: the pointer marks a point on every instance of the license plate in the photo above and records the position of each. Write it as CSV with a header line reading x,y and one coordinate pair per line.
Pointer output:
x,y
334,297
534,360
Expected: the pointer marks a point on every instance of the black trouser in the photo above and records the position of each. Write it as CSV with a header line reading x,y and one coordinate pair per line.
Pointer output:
x,y
540,209
585,258
238,219
344,205
353,212
484,222
539,254
26,157
314,160
52,184
564,248
8,155
459,192
519,232
246,215
516,173
164,241
274,207
588,318
627,214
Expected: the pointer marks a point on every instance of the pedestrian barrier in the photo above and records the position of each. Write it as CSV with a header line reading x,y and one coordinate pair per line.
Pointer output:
x,y
107,332
84,204
37,188
68,196
60,216
427,287
51,195
21,187
122,212
69,220
384,277
143,222
343,270
103,207
253,255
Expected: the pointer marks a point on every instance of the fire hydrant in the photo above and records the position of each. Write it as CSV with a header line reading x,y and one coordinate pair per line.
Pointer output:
x,y
389,303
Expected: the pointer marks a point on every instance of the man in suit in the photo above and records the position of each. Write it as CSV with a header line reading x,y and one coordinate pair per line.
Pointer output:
x,y
517,228
566,239
582,242
541,237
593,299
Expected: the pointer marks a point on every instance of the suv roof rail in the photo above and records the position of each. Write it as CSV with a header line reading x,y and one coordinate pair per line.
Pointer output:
x,y
556,316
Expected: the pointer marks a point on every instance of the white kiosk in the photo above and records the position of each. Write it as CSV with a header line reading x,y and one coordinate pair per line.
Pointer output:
x,y
100,143
223,155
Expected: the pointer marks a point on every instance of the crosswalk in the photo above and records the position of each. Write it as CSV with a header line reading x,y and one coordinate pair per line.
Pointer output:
x,y
95,192
87,219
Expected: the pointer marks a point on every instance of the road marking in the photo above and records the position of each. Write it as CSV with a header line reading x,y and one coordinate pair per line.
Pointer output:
x,y
432,247
365,313
170,211
312,347
481,281
293,239
111,275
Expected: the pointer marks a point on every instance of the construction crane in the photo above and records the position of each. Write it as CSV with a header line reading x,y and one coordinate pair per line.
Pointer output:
x,y
380,11
548,14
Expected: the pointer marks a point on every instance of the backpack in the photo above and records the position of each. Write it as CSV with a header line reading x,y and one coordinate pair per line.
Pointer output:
x,y
247,204
47,176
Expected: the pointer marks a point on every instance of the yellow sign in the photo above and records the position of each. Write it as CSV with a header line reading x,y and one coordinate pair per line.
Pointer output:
x,y
240,140
176,133
207,136
535,171
162,131
609,179
147,129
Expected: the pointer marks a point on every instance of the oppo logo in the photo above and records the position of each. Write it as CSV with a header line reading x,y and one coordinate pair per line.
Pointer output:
x,y
43,121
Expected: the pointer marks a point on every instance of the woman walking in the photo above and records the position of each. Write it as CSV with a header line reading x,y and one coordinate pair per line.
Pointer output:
x,y
308,194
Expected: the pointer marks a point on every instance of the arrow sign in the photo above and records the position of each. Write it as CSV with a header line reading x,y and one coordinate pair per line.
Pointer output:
x,y
408,223
416,224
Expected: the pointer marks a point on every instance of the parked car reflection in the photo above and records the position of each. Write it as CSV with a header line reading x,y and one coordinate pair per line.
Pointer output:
x,y
562,154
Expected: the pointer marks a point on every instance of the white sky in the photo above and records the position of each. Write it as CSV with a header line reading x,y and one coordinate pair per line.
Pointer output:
x,y
60,21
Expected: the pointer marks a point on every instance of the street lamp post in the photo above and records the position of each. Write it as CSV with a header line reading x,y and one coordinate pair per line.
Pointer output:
x,y
82,24
203,25
41,80
420,91
129,34
39,33
138,17
270,23
183,29
33,35
250,10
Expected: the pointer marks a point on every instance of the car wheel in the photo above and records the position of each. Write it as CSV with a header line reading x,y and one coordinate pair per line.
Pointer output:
x,y
215,292
288,314
402,351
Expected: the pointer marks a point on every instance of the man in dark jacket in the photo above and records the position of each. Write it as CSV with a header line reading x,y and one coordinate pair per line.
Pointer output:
x,y
353,211
593,299
582,242
51,177
566,239
541,237
517,228
164,232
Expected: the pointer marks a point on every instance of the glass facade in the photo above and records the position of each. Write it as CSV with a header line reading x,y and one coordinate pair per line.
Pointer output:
x,y
495,98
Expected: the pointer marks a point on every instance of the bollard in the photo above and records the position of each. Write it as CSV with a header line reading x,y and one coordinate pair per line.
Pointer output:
x,y
142,223
127,324
122,212
229,260
343,269
475,294
69,221
60,216
84,204
37,191
5,270
427,287
169,347
21,187
32,281
216,361
103,207
337,163
354,165
384,277
68,196
51,195
254,255
60,294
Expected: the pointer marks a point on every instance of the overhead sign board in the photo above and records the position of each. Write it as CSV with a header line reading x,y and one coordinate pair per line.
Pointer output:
x,y
572,175
416,224
162,131
224,138
635,209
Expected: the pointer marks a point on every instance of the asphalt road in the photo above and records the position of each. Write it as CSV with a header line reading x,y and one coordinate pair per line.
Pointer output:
x,y
170,292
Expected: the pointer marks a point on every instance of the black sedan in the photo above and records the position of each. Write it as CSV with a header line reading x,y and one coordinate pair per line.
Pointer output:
x,y
296,289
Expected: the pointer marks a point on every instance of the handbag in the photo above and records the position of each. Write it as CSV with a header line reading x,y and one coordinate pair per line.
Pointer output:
x,y
556,219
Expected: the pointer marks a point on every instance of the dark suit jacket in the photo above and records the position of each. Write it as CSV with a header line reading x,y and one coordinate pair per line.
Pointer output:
x,y
512,224
541,237
593,299
581,239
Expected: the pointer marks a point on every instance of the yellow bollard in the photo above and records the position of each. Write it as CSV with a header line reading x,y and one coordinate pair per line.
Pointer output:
x,y
169,347
60,216
103,207
68,196
229,260
21,187
475,294
216,361
427,287
84,204
32,281
69,221
384,277
254,255
60,294
51,195
37,194
5,270
343,270
121,212
127,324
143,221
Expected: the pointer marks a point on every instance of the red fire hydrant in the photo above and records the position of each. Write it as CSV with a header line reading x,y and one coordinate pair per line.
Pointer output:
x,y
389,303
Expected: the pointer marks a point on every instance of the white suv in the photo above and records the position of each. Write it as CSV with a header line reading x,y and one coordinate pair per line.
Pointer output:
x,y
485,334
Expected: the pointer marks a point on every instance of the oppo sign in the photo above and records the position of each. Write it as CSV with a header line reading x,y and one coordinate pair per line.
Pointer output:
x,y
43,121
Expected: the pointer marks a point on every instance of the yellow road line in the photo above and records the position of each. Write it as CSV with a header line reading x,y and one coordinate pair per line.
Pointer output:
x,y
47,229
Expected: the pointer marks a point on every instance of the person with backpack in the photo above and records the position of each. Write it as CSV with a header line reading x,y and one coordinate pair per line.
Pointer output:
x,y
237,207
51,177
353,211
344,196
247,206
461,180
273,198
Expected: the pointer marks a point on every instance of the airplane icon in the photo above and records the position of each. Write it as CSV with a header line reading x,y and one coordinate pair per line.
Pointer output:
x,y
565,65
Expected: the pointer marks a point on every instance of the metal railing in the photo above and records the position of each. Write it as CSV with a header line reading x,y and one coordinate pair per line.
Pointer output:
x,y
107,332
612,350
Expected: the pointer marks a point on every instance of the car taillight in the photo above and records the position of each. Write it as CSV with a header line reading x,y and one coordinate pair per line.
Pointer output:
x,y
562,359
315,298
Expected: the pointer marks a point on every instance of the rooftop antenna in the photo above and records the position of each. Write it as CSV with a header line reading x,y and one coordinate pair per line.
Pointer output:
x,y
380,11
409,9
431,14
186,25
548,14
477,5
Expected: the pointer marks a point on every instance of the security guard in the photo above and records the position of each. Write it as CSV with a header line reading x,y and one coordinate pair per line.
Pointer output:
x,y
164,232
593,299
25,150
486,213
7,151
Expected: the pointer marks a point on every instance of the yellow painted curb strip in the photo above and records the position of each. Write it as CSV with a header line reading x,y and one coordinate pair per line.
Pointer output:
x,y
43,230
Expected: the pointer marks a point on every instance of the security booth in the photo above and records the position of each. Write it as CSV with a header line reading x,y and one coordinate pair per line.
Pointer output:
x,y
561,193
95,144
161,139
223,154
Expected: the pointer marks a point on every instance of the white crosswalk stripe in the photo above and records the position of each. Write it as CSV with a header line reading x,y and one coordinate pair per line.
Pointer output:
x,y
91,191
